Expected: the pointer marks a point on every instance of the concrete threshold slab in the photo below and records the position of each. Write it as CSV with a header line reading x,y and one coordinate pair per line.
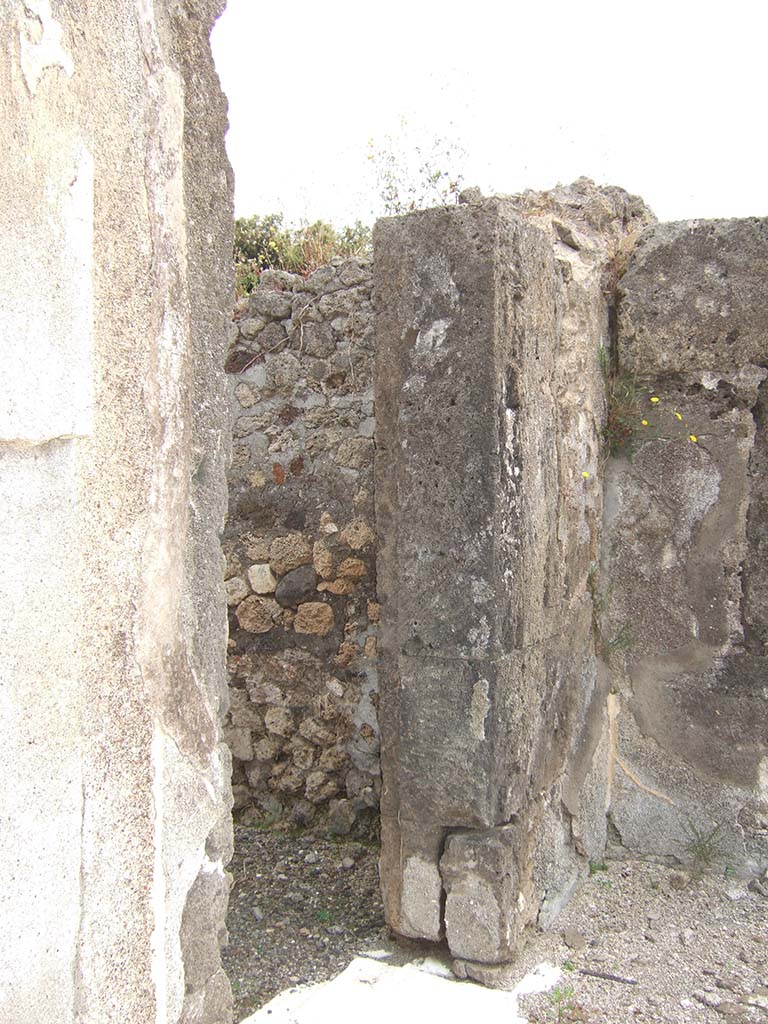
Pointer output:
x,y
380,993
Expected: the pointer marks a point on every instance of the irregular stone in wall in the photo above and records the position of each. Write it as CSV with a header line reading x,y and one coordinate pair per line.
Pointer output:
x,y
256,615
261,579
296,586
693,298
314,617
237,590
289,552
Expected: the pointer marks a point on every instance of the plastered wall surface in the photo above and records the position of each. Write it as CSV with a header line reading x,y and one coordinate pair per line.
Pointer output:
x,y
685,549
115,201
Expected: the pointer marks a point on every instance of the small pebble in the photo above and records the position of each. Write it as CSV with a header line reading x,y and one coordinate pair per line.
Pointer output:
x,y
706,998
574,939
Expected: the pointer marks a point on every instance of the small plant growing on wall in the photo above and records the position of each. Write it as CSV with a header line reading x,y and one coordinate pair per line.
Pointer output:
x,y
601,599
413,171
635,413
703,847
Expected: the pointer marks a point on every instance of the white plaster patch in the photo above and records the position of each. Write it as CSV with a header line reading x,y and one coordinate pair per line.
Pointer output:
x,y
212,867
41,38
46,388
543,978
479,636
433,338
479,708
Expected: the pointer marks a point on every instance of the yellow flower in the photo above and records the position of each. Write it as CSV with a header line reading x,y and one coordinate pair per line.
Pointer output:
x,y
644,422
654,399
585,474
693,438
679,416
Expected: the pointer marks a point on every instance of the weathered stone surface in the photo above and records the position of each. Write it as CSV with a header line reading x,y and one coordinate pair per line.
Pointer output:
x,y
314,617
239,742
499,976
693,298
251,327
256,615
320,787
489,403
685,546
296,586
449,414
279,721
358,534
114,433
323,561
479,875
352,568
270,303
344,586
289,552
237,590
341,817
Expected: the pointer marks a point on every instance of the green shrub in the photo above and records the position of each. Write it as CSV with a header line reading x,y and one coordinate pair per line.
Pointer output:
x,y
263,243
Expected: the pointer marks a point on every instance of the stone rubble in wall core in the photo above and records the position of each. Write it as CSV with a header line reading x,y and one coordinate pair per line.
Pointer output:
x,y
300,549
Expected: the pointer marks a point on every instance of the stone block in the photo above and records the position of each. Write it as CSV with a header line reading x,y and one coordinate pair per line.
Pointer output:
x,y
482,895
693,298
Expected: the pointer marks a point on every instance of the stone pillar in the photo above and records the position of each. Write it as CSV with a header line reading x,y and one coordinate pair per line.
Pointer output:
x,y
488,668
115,205
686,550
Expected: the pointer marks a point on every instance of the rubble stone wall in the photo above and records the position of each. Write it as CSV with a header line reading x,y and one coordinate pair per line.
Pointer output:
x,y
300,548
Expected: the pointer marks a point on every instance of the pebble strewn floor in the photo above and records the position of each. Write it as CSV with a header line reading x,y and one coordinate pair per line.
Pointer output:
x,y
302,906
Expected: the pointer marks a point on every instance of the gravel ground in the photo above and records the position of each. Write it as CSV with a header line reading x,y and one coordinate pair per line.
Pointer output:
x,y
302,906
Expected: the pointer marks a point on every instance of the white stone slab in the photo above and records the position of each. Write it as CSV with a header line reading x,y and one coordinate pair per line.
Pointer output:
x,y
380,994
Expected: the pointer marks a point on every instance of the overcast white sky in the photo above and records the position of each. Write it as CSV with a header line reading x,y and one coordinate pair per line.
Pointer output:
x,y
666,99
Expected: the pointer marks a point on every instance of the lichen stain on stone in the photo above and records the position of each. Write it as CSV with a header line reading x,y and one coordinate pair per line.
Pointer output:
x,y
479,637
432,338
40,37
479,708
